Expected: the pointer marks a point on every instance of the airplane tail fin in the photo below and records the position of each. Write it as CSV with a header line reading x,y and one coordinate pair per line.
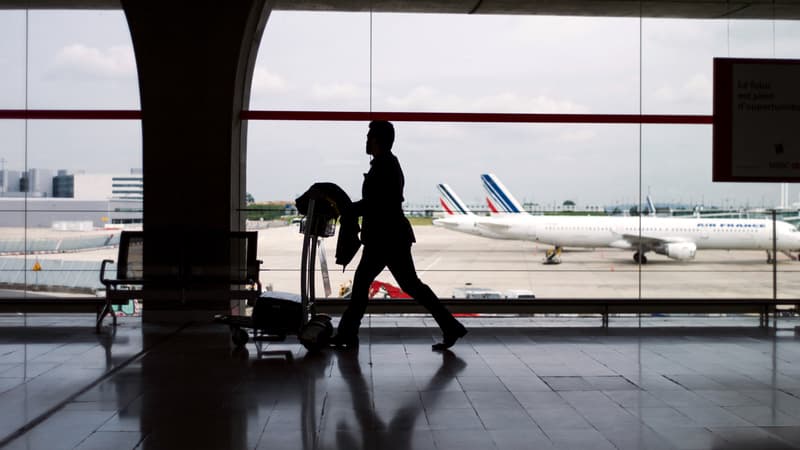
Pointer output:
x,y
500,200
651,207
450,202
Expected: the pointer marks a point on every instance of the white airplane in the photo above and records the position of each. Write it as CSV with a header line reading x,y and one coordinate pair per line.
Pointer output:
x,y
675,237
460,218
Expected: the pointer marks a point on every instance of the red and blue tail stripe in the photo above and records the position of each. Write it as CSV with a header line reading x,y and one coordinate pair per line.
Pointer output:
x,y
450,201
502,198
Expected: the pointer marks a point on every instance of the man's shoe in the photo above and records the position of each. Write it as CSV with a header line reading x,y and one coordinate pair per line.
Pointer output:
x,y
344,341
450,339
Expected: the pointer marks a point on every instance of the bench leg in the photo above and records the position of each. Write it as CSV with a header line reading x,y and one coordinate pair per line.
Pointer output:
x,y
106,310
774,309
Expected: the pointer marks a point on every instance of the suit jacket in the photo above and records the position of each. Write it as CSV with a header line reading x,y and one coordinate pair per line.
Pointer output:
x,y
381,206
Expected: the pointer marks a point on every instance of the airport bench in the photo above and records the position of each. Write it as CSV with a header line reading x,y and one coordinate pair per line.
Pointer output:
x,y
237,281
602,306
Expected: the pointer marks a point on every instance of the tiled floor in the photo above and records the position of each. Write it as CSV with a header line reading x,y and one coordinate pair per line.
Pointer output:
x,y
511,384
46,360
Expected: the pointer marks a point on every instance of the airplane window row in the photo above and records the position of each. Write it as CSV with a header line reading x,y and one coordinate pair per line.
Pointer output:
x,y
636,230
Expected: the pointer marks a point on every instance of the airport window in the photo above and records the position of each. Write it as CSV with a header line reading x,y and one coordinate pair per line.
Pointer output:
x,y
668,61
655,66
56,175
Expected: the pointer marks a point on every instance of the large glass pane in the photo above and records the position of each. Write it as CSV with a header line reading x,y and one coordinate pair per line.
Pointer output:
x,y
12,213
521,64
280,167
12,59
81,60
68,185
752,39
76,204
313,61
677,57
570,177
677,64
724,219
569,183
722,222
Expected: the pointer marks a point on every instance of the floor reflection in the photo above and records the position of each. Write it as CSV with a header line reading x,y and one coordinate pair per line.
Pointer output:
x,y
501,388
343,399
45,361
369,429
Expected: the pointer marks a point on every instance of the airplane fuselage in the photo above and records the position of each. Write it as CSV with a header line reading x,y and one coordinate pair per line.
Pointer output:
x,y
675,237
592,231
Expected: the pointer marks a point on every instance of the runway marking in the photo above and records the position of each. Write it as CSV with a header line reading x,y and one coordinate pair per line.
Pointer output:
x,y
431,265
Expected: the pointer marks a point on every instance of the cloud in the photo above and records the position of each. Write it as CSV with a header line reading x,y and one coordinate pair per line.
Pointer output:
x,y
509,101
78,61
265,81
538,29
426,98
578,135
697,88
336,91
680,34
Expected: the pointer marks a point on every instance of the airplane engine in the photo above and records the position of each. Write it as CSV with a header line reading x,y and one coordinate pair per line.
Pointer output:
x,y
681,250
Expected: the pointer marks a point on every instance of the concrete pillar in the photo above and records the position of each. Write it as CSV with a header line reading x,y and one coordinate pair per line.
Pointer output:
x,y
195,62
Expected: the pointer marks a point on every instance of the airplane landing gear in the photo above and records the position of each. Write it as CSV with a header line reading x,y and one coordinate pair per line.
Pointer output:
x,y
553,256
770,257
639,258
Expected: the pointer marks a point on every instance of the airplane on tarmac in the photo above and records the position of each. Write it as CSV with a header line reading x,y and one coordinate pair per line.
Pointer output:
x,y
675,237
461,218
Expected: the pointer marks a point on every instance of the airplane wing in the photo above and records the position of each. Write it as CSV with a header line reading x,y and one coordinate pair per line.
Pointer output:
x,y
634,240
794,220
493,226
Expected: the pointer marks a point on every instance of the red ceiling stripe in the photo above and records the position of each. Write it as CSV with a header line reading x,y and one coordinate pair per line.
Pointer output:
x,y
335,116
71,114
478,117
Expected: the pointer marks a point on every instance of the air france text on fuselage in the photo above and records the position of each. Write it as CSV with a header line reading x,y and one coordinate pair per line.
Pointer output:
x,y
731,225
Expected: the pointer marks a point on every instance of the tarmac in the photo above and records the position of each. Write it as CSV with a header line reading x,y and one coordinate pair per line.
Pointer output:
x,y
448,260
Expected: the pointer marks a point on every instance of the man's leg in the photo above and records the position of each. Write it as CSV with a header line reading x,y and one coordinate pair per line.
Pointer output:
x,y
401,264
371,264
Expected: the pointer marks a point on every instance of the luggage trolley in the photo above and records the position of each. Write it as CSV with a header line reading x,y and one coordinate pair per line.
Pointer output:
x,y
277,315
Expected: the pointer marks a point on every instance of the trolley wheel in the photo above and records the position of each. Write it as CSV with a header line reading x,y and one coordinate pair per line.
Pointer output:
x,y
316,334
239,337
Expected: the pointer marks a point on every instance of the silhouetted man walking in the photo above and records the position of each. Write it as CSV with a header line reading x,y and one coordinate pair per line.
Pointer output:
x,y
387,237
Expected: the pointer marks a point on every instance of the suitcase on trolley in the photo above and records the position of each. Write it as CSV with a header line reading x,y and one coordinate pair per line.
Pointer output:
x,y
278,315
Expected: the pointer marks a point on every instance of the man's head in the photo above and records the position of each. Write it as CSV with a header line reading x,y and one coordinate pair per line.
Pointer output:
x,y
380,137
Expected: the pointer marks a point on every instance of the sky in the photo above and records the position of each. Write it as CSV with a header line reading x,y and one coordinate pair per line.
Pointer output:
x,y
416,62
